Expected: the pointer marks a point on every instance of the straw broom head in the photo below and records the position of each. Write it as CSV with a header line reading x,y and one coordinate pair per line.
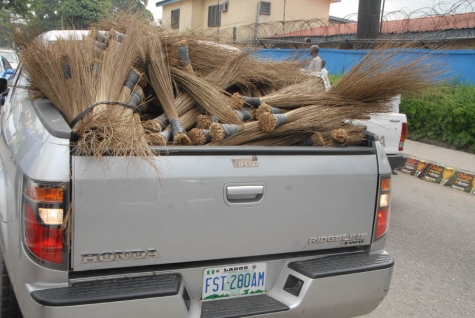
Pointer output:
x,y
384,72
203,121
199,136
339,135
209,97
161,81
237,101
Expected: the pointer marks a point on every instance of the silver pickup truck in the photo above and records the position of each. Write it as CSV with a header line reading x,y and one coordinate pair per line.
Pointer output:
x,y
216,232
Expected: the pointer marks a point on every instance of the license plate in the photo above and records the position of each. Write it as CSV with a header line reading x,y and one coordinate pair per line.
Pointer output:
x,y
235,280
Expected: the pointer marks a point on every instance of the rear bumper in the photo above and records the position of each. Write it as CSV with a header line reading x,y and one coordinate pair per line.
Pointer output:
x,y
397,161
344,285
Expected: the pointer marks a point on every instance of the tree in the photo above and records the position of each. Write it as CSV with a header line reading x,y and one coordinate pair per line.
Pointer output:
x,y
46,15
81,13
5,23
132,6
18,7
64,14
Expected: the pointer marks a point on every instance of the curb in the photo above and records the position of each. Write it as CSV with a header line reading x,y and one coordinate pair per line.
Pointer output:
x,y
443,175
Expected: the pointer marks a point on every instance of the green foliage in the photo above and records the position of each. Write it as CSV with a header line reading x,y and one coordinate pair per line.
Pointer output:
x,y
17,7
5,24
45,15
79,14
445,113
334,78
132,6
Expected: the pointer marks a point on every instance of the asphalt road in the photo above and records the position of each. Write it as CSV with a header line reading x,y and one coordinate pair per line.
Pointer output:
x,y
432,240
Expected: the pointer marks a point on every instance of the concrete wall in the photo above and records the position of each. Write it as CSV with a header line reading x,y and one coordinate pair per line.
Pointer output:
x,y
194,13
459,64
186,10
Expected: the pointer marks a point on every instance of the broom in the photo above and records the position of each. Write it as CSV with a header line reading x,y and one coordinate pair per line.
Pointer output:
x,y
71,93
319,118
220,131
160,79
209,97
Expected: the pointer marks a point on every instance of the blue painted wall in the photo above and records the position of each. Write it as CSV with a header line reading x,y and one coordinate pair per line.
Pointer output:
x,y
460,64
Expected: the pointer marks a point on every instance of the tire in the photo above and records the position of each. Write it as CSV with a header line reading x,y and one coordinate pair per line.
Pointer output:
x,y
8,303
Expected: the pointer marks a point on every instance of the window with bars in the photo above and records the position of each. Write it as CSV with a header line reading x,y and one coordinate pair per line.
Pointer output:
x,y
175,19
264,8
214,16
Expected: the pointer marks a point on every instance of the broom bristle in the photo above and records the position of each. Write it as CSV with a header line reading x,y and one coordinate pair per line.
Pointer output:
x,y
267,122
197,136
237,101
203,122
181,139
262,109
217,132
156,139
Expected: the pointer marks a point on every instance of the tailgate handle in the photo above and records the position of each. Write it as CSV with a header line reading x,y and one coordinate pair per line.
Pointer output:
x,y
244,192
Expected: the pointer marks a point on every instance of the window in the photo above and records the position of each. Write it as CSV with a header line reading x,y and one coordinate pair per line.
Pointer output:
x,y
214,16
264,8
175,19
6,64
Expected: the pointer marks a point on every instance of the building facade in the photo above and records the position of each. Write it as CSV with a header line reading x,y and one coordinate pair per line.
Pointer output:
x,y
190,15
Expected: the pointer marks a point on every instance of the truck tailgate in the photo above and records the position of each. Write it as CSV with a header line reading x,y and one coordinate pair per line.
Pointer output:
x,y
214,204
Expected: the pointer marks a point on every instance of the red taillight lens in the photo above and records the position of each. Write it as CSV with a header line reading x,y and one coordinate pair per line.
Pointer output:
x,y
44,241
383,207
403,136
43,213
383,222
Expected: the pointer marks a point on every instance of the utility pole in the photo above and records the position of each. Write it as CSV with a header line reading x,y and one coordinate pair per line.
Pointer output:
x,y
369,12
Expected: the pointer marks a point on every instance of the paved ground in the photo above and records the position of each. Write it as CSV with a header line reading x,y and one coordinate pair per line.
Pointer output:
x,y
461,161
432,241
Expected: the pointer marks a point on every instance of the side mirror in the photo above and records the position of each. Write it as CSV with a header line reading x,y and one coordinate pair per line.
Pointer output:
x,y
3,85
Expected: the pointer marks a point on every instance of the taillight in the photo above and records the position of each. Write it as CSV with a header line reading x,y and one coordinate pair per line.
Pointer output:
x,y
403,136
44,209
383,207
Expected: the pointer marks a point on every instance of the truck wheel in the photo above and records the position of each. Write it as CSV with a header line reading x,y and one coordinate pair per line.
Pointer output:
x,y
8,303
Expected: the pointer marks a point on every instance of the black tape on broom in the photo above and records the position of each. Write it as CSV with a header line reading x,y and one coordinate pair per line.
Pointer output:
x,y
252,101
131,79
66,70
176,127
135,100
306,142
230,129
101,37
163,121
280,119
166,134
243,114
207,134
183,55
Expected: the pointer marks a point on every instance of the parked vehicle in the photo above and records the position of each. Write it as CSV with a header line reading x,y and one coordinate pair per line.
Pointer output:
x,y
391,129
220,232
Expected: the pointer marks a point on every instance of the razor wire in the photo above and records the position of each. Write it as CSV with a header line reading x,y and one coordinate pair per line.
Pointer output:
x,y
443,22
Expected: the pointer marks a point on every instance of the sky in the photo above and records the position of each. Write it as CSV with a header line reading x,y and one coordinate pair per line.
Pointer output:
x,y
157,12
348,7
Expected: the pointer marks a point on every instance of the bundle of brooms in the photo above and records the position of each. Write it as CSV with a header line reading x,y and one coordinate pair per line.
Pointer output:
x,y
122,92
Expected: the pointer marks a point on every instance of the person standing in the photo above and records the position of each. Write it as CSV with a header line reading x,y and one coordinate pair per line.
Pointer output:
x,y
316,63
